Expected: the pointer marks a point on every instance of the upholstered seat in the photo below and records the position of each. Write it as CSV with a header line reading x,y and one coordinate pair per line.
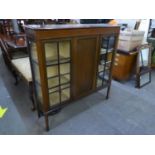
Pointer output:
x,y
23,67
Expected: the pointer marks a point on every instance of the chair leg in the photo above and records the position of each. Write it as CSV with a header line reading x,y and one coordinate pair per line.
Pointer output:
x,y
108,91
31,94
16,77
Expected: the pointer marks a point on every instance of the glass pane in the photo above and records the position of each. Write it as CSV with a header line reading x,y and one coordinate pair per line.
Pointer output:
x,y
51,53
33,49
52,82
65,94
65,78
144,57
99,82
54,98
54,64
36,71
145,78
64,68
104,75
52,71
106,53
64,49
108,43
100,68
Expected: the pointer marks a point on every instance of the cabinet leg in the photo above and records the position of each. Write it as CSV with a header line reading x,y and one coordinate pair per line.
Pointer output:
x,y
33,105
108,91
46,123
39,115
16,77
137,81
31,96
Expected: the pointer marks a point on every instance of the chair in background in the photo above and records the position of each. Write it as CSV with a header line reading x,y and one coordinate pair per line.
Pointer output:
x,y
5,53
143,67
20,68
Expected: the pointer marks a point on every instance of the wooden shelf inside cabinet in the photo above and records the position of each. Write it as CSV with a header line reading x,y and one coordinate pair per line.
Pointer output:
x,y
69,62
54,60
53,82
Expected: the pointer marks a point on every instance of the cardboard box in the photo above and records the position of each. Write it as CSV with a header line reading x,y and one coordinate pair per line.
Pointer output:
x,y
129,40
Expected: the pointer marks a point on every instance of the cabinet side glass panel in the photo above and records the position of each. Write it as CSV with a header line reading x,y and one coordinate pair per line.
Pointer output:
x,y
105,60
36,72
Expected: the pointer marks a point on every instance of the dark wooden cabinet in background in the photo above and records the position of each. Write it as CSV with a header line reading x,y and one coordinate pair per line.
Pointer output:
x,y
69,62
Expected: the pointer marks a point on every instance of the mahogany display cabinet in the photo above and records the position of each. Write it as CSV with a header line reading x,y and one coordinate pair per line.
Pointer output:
x,y
69,62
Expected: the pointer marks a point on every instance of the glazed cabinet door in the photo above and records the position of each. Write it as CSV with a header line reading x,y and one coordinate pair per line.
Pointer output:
x,y
106,56
83,65
35,72
57,56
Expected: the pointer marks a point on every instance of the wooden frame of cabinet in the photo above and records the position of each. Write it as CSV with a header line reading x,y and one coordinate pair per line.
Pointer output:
x,y
84,42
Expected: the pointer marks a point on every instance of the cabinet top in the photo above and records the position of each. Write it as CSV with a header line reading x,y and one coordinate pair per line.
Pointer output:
x,y
67,26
